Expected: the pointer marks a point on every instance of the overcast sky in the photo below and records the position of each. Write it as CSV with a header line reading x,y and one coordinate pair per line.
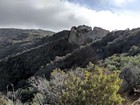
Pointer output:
x,y
58,15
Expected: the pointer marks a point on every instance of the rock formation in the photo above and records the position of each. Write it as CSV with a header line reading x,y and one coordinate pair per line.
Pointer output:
x,y
82,35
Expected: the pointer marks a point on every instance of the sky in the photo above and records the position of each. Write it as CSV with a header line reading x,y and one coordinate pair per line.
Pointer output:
x,y
57,15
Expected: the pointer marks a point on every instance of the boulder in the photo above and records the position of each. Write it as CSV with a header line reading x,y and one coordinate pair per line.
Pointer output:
x,y
82,34
98,33
131,78
79,35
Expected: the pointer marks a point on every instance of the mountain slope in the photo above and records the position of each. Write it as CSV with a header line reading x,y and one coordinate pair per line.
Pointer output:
x,y
13,41
113,43
64,50
25,64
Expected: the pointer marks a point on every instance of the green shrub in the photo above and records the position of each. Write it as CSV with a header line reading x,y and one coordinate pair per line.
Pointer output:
x,y
134,50
120,62
85,87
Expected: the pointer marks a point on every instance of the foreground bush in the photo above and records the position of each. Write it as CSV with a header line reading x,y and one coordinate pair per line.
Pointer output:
x,y
4,100
89,86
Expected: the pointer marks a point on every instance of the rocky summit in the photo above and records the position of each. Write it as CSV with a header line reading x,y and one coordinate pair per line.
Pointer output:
x,y
27,57
82,35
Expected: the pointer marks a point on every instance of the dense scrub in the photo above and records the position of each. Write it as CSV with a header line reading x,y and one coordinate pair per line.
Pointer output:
x,y
120,62
82,86
85,86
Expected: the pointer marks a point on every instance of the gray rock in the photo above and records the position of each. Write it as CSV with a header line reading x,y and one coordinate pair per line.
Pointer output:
x,y
79,35
82,35
131,78
98,33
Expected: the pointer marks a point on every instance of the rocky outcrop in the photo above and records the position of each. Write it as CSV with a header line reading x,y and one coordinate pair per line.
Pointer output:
x,y
82,35
98,33
79,35
131,78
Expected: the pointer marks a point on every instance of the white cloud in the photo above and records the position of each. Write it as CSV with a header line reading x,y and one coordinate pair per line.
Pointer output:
x,y
120,2
61,14
109,20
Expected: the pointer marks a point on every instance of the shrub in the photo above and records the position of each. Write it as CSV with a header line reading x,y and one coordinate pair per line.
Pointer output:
x,y
85,87
5,101
120,62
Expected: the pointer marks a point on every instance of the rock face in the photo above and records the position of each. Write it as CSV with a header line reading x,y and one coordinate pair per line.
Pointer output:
x,y
131,78
82,35
98,33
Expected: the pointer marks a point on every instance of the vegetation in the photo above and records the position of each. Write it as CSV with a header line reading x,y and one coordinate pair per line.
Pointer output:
x,y
82,86
87,86
4,100
130,73
120,62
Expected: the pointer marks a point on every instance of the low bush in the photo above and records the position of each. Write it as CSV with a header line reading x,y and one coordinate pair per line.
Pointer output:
x,y
87,86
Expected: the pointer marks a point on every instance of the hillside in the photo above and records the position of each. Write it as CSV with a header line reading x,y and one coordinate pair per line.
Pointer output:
x,y
29,56
13,41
